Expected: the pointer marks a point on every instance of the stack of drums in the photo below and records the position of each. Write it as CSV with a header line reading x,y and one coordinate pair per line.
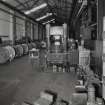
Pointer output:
x,y
18,50
8,53
11,52
25,48
4,55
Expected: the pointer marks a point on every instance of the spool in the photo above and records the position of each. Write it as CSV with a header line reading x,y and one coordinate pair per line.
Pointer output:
x,y
25,48
16,51
11,52
20,50
4,55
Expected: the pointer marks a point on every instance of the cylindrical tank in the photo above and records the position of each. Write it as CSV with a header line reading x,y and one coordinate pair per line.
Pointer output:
x,y
11,52
25,48
16,51
4,55
20,49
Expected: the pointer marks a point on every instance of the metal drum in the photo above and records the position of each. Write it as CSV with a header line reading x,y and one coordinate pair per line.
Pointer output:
x,y
25,48
16,51
20,49
4,55
11,52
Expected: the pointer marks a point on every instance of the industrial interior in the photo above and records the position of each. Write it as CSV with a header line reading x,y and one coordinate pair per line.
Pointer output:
x,y
52,52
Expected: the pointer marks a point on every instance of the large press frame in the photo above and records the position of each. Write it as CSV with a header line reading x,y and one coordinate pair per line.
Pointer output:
x,y
62,60
56,59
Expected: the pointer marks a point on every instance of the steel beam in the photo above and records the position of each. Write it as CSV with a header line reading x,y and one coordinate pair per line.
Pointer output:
x,y
25,2
21,3
50,8
73,7
34,3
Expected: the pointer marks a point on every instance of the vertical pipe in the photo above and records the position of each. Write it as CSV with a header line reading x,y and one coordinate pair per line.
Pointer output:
x,y
26,32
104,56
32,31
14,28
65,35
48,35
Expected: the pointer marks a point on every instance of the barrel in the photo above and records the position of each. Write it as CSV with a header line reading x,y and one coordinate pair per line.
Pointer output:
x,y
25,48
17,53
11,52
4,55
20,48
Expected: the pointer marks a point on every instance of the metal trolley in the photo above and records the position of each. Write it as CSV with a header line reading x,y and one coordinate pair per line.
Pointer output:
x,y
34,59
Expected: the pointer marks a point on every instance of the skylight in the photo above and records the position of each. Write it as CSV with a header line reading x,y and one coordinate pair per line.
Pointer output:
x,y
48,21
36,8
43,17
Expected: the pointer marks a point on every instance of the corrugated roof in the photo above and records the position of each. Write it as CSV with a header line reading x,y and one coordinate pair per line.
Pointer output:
x,y
61,9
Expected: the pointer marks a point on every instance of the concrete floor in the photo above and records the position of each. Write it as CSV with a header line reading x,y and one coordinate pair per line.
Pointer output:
x,y
19,82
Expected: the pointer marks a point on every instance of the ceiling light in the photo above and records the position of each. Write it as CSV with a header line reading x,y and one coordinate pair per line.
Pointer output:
x,y
43,17
36,8
48,21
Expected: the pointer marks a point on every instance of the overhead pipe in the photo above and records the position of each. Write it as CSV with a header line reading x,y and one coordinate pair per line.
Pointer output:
x,y
84,3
